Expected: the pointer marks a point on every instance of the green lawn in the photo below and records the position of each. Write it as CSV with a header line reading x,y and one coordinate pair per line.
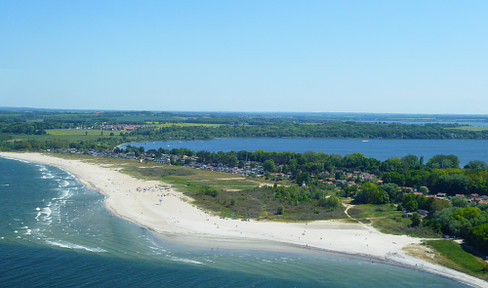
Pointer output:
x,y
387,219
470,128
162,125
454,256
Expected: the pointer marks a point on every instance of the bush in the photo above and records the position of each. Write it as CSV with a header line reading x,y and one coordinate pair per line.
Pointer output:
x,y
330,203
207,190
280,210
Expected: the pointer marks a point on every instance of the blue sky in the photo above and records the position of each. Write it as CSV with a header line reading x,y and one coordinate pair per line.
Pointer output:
x,y
290,56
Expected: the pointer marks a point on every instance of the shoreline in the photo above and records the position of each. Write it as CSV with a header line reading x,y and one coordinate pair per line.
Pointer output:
x,y
169,214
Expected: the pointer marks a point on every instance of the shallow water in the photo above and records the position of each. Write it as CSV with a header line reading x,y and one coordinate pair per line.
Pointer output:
x,y
55,232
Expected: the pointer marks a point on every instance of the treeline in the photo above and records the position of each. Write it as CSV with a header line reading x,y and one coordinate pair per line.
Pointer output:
x,y
329,129
35,128
469,223
455,218
100,144
441,173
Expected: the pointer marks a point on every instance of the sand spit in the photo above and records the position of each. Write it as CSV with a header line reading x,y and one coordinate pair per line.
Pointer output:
x,y
171,215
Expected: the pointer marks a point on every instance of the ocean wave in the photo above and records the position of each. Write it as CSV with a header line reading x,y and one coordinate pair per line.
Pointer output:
x,y
27,230
6,185
44,215
68,245
185,260
64,184
47,176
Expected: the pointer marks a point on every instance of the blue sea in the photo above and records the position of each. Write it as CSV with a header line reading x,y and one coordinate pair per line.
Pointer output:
x,y
54,232
466,150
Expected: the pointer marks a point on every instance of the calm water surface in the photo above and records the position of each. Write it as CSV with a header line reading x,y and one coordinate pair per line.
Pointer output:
x,y
56,233
466,150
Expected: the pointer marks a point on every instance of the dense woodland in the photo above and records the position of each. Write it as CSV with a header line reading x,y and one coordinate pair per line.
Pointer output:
x,y
232,125
329,129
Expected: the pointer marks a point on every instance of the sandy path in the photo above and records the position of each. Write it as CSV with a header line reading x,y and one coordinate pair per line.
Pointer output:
x,y
158,207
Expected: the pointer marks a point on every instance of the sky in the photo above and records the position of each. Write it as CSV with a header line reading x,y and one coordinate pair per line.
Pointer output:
x,y
248,56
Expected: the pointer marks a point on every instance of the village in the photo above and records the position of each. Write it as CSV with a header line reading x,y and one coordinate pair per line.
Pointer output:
x,y
338,180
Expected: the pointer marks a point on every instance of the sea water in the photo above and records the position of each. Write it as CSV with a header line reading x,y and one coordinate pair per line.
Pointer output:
x,y
54,232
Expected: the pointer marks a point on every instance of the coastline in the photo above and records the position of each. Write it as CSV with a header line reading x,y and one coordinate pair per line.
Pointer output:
x,y
170,215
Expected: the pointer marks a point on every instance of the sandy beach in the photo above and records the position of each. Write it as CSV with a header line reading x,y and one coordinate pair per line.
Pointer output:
x,y
171,215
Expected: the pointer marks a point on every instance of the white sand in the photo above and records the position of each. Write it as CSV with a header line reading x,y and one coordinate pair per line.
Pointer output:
x,y
172,216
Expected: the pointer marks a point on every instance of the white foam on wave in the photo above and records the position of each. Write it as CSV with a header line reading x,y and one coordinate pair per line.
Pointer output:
x,y
44,215
185,260
64,184
47,176
6,185
27,230
68,245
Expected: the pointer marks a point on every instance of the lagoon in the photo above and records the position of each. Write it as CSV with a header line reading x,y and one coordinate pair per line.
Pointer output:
x,y
465,150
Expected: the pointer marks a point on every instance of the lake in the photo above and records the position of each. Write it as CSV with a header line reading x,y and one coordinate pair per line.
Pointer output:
x,y
465,150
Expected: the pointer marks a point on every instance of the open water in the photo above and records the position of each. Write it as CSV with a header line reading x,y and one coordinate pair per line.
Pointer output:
x,y
466,150
56,233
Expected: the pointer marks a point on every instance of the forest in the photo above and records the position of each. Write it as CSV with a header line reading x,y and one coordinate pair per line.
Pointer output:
x,y
191,126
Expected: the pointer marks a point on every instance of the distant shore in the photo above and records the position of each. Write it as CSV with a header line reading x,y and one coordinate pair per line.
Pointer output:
x,y
170,215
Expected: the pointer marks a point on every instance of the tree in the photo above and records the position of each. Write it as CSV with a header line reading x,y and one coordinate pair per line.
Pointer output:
x,y
478,237
452,183
416,219
269,166
459,202
394,177
411,205
371,194
477,165
303,177
443,161
329,203
394,192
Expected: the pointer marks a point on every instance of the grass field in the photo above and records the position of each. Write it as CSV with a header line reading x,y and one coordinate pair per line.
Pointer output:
x,y
237,196
471,128
81,132
388,220
162,125
453,255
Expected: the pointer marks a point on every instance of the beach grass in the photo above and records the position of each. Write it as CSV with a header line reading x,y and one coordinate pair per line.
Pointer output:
x,y
453,255
387,219
237,196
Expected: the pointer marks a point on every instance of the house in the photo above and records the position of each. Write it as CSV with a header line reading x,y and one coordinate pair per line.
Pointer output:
x,y
423,212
